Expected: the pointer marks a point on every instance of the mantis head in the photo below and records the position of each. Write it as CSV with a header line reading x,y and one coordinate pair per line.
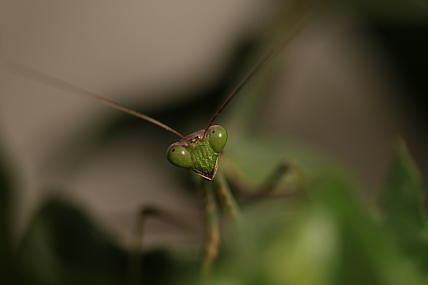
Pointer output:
x,y
199,151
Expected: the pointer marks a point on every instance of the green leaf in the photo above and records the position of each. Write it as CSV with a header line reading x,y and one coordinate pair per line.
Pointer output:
x,y
63,246
370,253
330,238
9,271
402,203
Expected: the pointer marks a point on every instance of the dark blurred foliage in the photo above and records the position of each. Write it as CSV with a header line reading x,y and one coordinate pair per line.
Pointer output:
x,y
328,238
407,46
63,245
333,238
9,272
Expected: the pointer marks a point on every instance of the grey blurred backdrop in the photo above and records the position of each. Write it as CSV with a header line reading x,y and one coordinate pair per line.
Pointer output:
x,y
339,91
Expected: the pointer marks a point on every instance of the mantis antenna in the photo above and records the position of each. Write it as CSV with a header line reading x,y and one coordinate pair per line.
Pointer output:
x,y
270,54
39,76
62,85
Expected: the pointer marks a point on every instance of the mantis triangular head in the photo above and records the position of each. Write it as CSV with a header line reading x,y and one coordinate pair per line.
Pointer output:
x,y
199,151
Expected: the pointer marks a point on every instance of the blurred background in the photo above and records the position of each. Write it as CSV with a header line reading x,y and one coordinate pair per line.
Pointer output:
x,y
351,82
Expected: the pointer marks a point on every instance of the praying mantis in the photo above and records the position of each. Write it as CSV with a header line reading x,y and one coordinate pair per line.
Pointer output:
x,y
207,144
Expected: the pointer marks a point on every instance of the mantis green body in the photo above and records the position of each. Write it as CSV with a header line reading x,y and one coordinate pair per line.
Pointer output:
x,y
200,152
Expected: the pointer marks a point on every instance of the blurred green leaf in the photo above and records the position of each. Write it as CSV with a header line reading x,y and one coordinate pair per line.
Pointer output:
x,y
63,246
9,270
5,228
329,238
369,253
402,203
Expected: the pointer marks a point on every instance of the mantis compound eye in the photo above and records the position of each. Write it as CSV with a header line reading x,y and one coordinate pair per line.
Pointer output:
x,y
217,136
179,156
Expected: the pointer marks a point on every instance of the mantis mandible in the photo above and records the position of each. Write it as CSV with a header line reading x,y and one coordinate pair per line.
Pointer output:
x,y
198,151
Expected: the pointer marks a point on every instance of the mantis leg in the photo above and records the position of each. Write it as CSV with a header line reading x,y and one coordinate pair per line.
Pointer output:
x,y
283,169
225,196
270,184
212,234
137,247
135,262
